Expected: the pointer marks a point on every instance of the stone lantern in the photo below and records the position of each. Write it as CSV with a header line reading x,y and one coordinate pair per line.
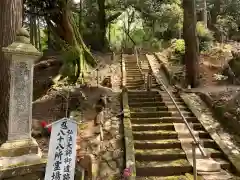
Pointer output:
x,y
22,55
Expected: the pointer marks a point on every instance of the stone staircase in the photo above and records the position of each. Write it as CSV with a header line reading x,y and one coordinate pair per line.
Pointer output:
x,y
134,77
135,80
158,151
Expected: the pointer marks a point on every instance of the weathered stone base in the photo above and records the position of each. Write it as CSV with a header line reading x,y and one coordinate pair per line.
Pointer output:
x,y
29,171
21,158
19,148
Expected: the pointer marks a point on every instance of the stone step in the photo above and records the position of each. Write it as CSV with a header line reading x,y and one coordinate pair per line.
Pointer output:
x,y
179,177
134,86
145,99
146,93
161,126
163,134
160,114
177,99
134,83
131,65
132,69
152,104
137,76
150,114
163,120
159,108
171,154
131,62
187,113
165,95
224,163
149,109
135,80
163,168
169,143
133,72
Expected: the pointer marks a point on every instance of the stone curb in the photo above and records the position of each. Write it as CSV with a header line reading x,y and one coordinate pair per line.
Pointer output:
x,y
166,70
123,72
128,136
219,112
201,111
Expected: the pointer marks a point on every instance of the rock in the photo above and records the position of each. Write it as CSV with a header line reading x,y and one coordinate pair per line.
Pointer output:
x,y
120,163
107,144
107,156
107,82
107,125
116,154
118,137
115,125
108,136
104,169
113,165
113,132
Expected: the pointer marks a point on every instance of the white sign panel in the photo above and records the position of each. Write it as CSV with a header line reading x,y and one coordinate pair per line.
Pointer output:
x,y
62,151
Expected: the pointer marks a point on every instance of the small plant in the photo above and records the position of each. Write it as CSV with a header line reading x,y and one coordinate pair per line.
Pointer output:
x,y
220,77
126,173
178,48
205,37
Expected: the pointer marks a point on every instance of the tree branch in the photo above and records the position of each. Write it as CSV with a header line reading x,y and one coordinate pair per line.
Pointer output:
x,y
113,17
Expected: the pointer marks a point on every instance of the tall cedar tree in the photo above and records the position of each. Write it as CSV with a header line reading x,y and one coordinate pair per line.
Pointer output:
x,y
191,43
10,22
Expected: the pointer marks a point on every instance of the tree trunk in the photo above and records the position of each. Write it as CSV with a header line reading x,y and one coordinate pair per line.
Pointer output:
x,y
39,34
80,16
205,13
10,21
35,32
102,22
31,30
216,10
191,43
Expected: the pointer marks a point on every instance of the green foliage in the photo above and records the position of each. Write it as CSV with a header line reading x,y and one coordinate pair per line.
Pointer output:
x,y
205,37
44,39
73,61
226,24
235,66
170,18
178,49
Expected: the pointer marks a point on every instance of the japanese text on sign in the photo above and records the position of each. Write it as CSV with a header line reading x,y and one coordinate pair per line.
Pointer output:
x,y
62,151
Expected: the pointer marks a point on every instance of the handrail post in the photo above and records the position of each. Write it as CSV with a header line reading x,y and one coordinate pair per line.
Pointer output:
x,y
97,77
83,174
194,145
149,81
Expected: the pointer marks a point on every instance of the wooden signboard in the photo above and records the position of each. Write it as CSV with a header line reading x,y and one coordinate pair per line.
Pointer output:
x,y
62,150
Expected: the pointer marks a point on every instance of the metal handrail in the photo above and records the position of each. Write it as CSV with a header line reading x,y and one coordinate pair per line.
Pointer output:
x,y
184,119
123,71
139,65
